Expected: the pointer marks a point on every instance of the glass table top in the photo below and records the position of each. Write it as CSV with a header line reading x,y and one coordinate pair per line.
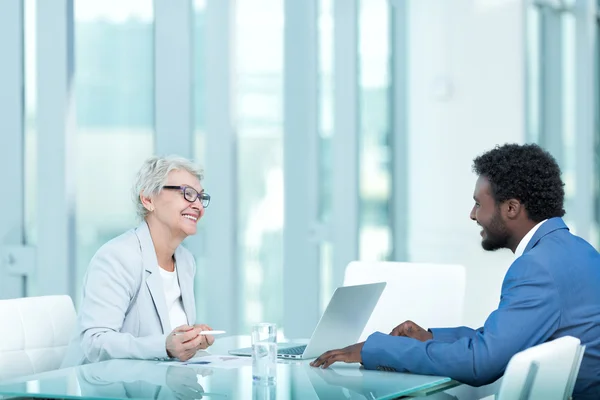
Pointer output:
x,y
139,379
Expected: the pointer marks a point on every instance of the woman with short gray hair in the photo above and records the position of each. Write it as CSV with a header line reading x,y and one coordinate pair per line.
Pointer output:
x,y
138,295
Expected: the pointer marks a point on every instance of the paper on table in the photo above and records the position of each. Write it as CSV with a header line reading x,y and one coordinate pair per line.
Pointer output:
x,y
213,361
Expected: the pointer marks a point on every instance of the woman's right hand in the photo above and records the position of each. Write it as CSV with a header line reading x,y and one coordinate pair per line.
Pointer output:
x,y
184,342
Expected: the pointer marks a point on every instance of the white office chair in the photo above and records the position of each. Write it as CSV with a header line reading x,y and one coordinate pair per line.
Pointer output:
x,y
431,295
545,372
34,334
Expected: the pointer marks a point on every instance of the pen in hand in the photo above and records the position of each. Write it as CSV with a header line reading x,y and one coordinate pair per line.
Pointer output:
x,y
212,333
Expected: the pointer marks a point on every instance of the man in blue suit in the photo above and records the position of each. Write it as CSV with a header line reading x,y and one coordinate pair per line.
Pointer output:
x,y
552,289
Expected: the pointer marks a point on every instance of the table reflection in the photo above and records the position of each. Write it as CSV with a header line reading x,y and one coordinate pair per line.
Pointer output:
x,y
134,379
355,383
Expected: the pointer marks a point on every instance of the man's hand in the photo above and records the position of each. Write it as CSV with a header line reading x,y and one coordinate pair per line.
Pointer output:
x,y
350,354
412,330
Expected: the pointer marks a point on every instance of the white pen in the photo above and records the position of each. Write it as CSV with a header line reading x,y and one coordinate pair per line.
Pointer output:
x,y
212,333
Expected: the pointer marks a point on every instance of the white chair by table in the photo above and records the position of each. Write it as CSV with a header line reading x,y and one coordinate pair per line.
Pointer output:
x,y
34,334
544,372
431,295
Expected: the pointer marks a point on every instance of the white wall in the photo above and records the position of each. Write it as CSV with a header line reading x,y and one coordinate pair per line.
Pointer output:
x,y
466,94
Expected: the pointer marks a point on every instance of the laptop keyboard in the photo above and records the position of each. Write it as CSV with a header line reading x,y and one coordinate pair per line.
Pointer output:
x,y
292,350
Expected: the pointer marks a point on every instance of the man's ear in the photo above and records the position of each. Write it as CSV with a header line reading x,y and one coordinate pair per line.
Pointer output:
x,y
513,208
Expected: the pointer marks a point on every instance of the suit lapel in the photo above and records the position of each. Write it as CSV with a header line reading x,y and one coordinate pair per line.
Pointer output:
x,y
186,284
546,228
153,278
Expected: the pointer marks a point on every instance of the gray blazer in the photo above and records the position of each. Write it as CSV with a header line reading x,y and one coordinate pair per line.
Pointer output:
x,y
123,312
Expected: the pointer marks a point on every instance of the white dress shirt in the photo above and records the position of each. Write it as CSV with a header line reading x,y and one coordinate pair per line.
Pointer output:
x,y
173,298
525,241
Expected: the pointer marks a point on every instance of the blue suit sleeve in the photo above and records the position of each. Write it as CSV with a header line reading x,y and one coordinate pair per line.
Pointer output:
x,y
453,334
528,314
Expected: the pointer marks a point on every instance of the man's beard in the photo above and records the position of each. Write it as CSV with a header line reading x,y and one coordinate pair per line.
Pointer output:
x,y
496,234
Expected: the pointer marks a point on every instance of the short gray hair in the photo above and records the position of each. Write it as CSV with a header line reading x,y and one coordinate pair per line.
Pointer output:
x,y
153,174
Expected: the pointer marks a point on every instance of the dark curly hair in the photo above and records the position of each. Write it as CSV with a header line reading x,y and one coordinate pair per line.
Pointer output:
x,y
527,173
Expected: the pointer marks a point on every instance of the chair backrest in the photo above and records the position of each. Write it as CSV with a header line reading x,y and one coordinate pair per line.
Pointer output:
x,y
547,371
34,334
575,371
431,295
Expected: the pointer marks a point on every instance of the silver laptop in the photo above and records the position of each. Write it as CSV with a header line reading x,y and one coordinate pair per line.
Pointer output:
x,y
340,325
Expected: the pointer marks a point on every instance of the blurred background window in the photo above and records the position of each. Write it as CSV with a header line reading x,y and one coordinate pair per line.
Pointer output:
x,y
474,74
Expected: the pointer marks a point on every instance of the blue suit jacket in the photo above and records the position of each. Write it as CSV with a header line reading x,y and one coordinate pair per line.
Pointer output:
x,y
552,290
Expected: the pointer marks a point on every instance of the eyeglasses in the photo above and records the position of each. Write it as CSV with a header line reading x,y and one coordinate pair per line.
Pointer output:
x,y
191,194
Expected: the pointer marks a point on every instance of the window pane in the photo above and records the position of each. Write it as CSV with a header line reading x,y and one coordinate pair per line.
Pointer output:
x,y
540,60
533,74
325,133
199,101
114,94
375,152
596,230
259,82
199,63
326,49
30,123
568,112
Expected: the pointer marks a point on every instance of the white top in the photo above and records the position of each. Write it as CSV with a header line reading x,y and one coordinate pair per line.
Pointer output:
x,y
173,297
525,241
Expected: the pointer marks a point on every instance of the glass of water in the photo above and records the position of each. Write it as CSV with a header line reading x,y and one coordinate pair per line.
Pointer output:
x,y
264,390
264,352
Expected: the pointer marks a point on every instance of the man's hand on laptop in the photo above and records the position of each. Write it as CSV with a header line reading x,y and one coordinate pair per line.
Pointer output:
x,y
350,354
412,330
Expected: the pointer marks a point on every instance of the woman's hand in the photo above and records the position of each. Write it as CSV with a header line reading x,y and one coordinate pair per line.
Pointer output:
x,y
209,339
184,383
184,342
